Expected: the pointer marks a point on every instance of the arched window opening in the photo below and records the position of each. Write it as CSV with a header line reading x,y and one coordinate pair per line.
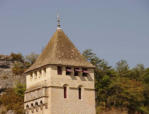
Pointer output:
x,y
80,93
32,105
41,102
36,103
65,92
59,70
27,106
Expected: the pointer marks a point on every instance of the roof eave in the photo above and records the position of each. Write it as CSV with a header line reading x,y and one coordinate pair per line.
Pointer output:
x,y
31,70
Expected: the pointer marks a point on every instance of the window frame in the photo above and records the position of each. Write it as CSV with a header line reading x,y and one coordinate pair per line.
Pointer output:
x,y
59,70
65,92
31,76
83,73
76,73
67,72
80,93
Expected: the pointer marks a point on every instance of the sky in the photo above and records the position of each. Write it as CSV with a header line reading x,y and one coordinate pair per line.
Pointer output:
x,y
113,29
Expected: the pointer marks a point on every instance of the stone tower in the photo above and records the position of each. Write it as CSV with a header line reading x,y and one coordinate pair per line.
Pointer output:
x,y
61,81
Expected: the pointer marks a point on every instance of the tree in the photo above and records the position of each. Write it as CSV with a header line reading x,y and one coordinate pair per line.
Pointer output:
x,y
122,68
146,77
126,93
18,68
17,57
31,58
103,76
121,87
20,89
22,63
145,108
12,101
137,72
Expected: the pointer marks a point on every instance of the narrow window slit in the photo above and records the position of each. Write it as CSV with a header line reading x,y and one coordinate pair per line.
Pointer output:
x,y
80,93
65,92
59,70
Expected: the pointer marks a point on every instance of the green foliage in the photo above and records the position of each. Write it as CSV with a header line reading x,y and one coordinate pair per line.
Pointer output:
x,y
137,72
31,58
121,87
22,63
125,93
144,109
12,101
17,57
18,68
122,69
122,66
20,89
146,76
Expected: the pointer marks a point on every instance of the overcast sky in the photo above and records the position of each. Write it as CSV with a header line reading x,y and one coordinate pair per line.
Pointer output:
x,y
113,29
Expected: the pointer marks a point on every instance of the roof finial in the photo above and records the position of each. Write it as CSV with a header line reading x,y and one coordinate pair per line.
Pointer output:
x,y
58,22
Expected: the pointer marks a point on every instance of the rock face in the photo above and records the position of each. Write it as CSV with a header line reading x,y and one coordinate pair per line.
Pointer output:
x,y
10,112
7,78
5,61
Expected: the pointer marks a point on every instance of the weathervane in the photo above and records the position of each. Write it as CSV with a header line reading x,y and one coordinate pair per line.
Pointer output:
x,y
58,22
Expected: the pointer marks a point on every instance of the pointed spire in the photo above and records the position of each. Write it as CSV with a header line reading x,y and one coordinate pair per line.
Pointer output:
x,y
58,22
60,51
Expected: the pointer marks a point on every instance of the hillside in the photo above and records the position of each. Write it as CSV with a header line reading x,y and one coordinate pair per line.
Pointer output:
x,y
7,78
8,81
119,90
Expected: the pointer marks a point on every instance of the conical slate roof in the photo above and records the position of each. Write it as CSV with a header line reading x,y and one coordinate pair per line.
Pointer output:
x,y
60,51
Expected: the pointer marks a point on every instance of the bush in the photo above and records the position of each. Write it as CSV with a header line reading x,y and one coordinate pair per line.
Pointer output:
x,y
17,57
120,87
18,68
21,64
12,101
31,58
20,89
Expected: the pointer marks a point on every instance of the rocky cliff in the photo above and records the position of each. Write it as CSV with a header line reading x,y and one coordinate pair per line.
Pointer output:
x,y
7,78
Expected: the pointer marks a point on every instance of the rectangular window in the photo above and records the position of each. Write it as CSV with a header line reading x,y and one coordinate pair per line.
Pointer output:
x,y
85,72
68,70
65,92
44,71
79,92
76,71
31,76
59,70
35,74
40,72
